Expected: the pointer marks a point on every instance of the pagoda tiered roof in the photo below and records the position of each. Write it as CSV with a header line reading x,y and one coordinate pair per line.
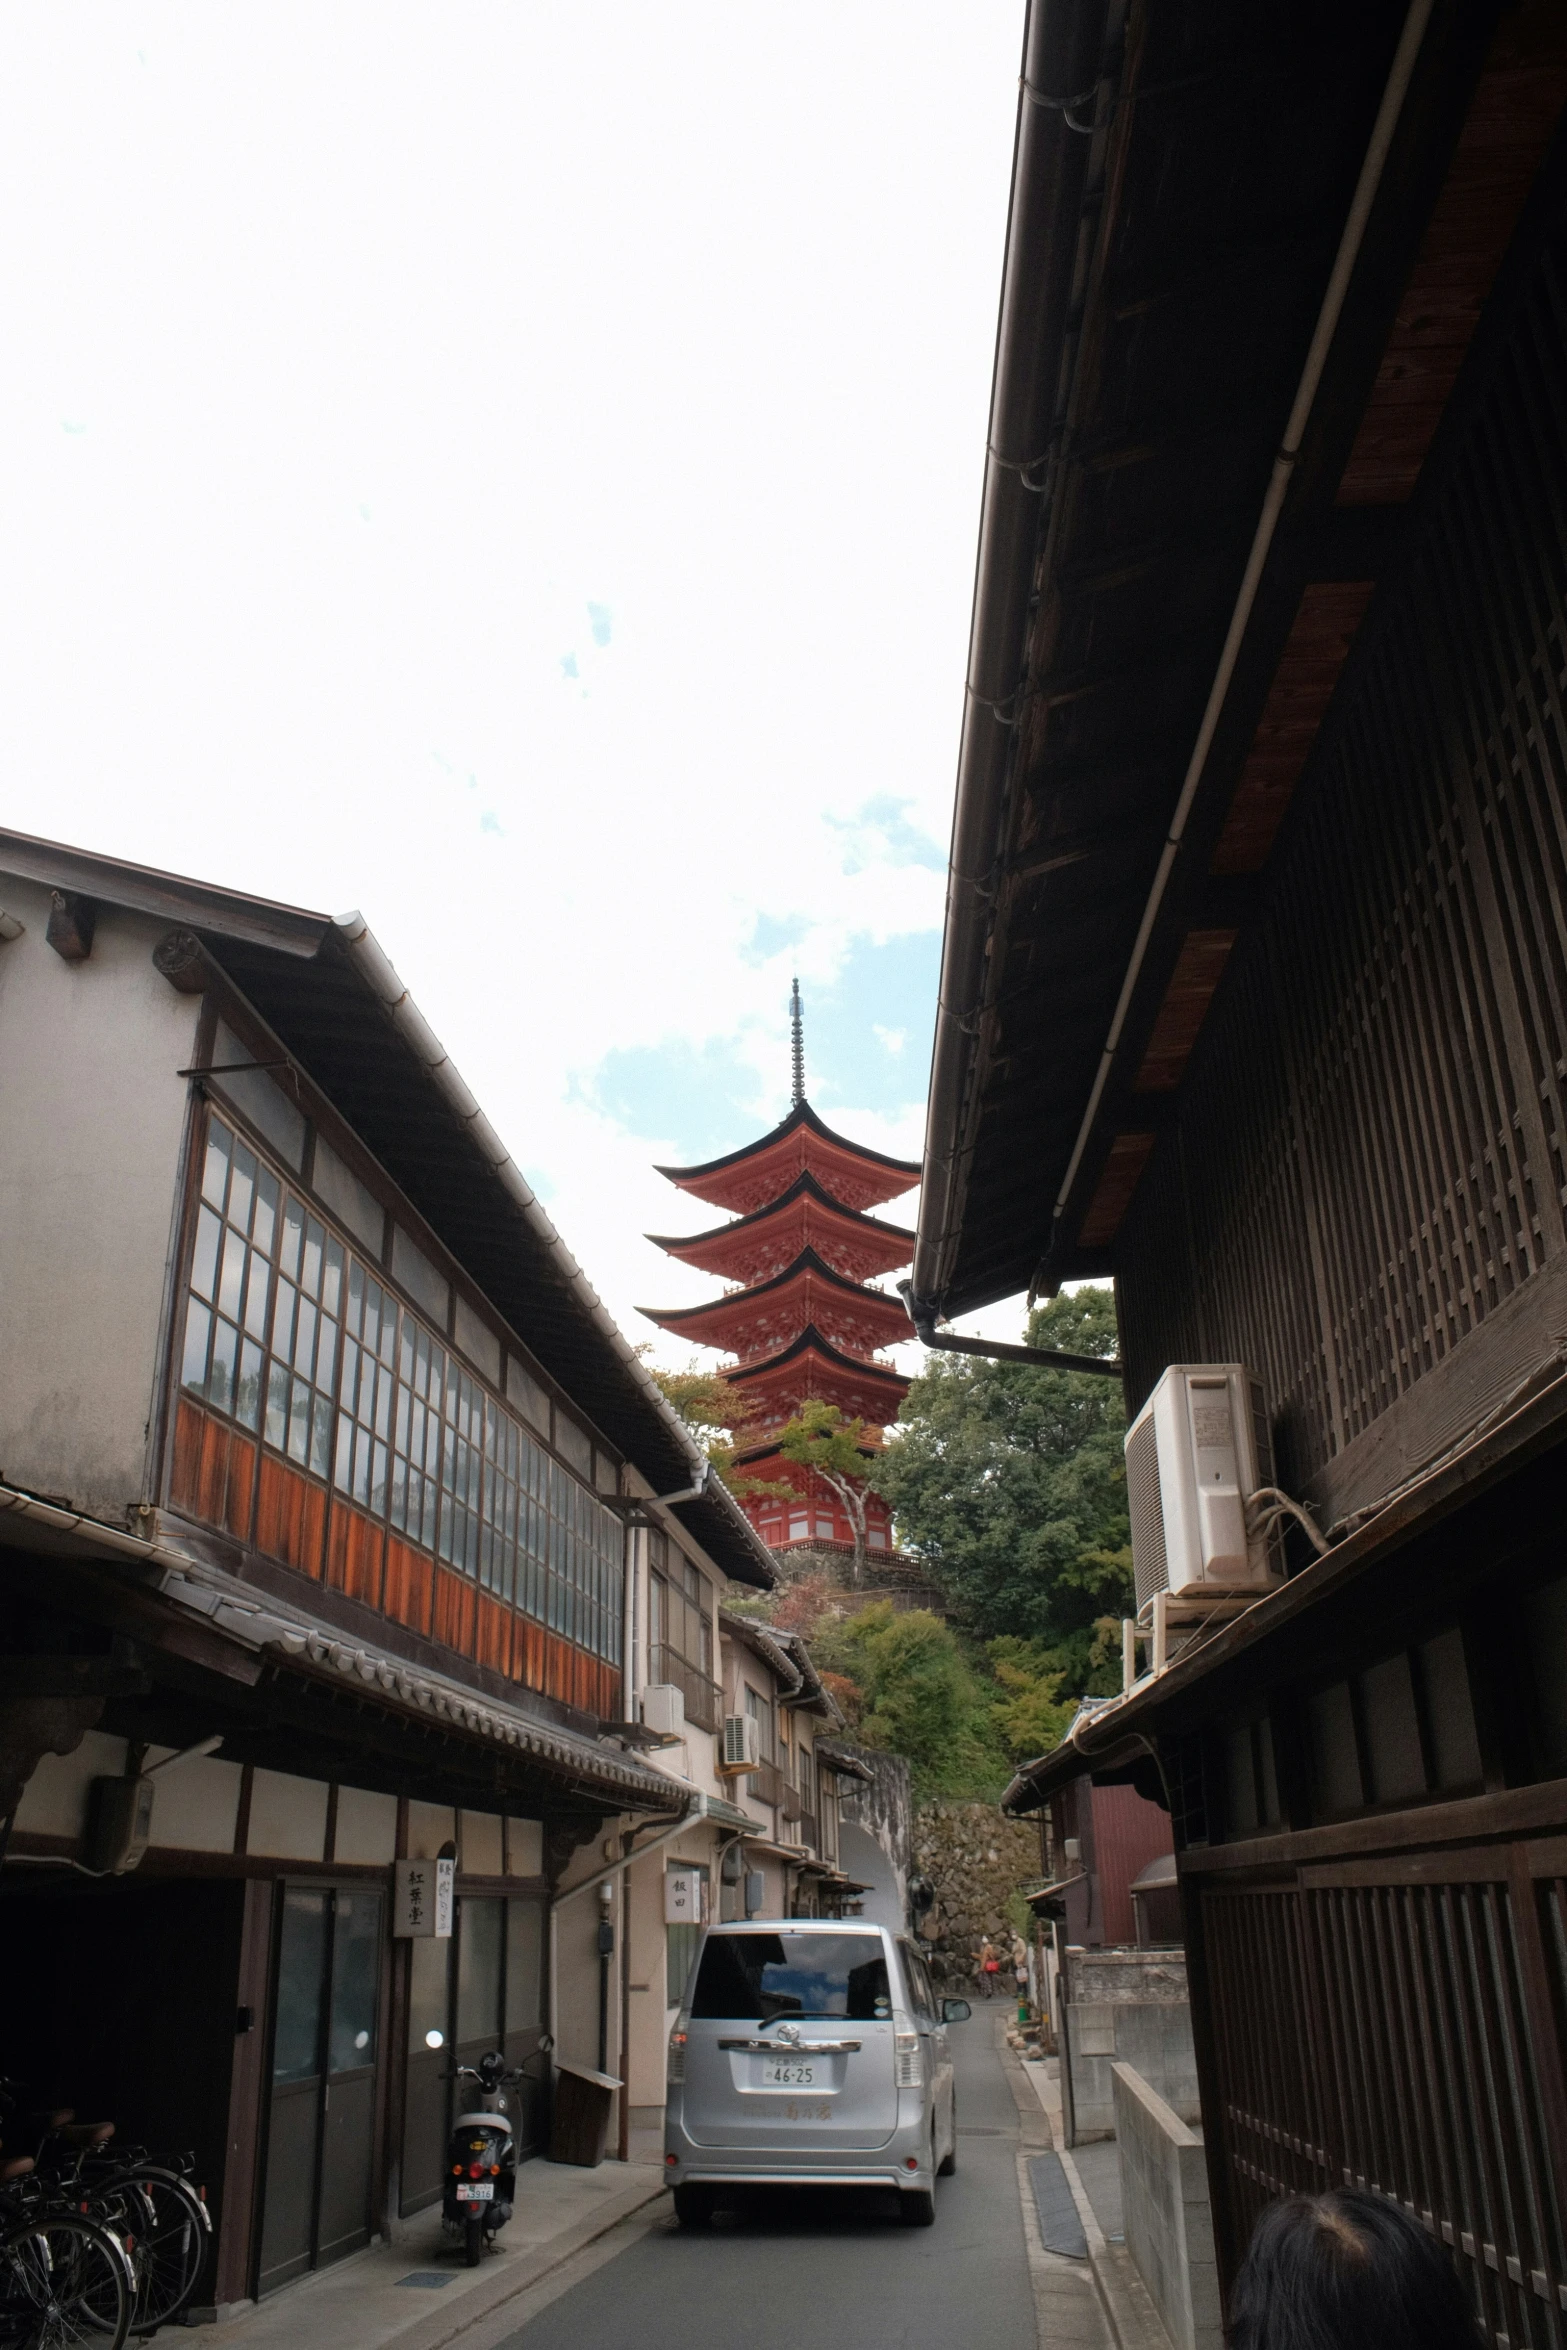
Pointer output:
x,y
760,1319
803,1320
755,1247
812,1366
757,1174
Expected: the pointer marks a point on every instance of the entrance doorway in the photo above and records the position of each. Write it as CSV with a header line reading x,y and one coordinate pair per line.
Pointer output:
x,y
321,2126
491,1998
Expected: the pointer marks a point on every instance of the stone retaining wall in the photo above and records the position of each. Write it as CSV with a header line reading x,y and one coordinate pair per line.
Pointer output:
x,y
975,1860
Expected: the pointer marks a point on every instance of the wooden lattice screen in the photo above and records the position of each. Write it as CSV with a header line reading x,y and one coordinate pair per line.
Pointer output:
x,y
1370,1157
1398,2025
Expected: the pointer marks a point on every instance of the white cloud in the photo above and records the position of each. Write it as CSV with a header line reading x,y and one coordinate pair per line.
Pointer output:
x,y
461,467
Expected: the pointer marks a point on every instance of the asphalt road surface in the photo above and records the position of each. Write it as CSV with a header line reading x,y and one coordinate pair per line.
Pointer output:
x,y
800,2270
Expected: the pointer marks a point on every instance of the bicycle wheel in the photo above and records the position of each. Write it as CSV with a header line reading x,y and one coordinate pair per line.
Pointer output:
x,y
170,2249
65,2284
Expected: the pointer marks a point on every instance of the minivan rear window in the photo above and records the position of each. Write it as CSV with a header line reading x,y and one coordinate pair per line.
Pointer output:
x,y
751,1978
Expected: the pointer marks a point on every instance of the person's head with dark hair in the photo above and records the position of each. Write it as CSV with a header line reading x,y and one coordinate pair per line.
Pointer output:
x,y
1346,2271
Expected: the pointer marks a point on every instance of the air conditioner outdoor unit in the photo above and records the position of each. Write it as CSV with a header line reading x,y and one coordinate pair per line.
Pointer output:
x,y
1195,1455
742,1748
664,1709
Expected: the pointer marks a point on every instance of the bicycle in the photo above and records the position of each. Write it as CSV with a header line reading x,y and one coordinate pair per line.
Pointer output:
x,y
150,2207
65,2281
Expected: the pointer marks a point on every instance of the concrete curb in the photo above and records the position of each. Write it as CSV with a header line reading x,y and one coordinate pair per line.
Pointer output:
x,y
313,2314
1129,2313
521,2275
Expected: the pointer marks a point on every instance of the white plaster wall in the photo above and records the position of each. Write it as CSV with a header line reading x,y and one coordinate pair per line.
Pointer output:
x,y
430,1825
90,1136
366,1827
577,1971
54,1801
195,1805
480,1844
862,1858
287,1816
524,1848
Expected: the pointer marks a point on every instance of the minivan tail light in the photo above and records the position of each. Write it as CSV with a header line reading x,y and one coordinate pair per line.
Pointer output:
x,y
677,2058
906,2046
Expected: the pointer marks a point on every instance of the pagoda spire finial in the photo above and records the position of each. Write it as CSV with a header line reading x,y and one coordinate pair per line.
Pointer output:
x,y
797,1044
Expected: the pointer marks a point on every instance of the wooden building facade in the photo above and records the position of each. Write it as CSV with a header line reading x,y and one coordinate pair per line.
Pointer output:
x,y
329,1505
1255,1000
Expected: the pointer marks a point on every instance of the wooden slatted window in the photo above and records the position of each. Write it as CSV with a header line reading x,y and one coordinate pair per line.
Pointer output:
x,y
1371,1158
1403,2037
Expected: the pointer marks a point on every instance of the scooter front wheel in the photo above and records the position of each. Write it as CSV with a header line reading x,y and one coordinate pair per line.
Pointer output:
x,y
473,2241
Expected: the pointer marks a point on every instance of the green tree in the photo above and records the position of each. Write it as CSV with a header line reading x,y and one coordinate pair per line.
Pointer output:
x,y
1008,1480
820,1438
716,1414
1030,1714
913,1691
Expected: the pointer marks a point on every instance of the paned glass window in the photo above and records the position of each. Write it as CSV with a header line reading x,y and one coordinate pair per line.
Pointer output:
x,y
306,1334
680,1621
499,1528
230,1278
364,1423
462,1456
289,1331
416,1441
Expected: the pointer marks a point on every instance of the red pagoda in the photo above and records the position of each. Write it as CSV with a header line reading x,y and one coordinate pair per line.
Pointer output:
x,y
803,1320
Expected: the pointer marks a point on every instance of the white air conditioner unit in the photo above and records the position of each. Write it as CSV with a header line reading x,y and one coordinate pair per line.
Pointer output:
x,y
664,1709
1195,1454
742,1745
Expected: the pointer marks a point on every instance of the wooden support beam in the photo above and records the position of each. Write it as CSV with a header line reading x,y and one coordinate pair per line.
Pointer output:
x,y
72,921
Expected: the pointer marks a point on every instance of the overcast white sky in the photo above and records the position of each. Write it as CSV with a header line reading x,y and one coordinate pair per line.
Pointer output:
x,y
515,470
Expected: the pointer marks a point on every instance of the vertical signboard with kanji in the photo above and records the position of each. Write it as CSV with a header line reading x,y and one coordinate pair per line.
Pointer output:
x,y
423,1899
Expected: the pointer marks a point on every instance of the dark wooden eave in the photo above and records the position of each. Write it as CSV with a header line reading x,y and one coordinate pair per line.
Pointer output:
x,y
1146,362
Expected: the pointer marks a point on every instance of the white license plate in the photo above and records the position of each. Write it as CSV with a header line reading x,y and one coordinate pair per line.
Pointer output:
x,y
476,2190
776,2074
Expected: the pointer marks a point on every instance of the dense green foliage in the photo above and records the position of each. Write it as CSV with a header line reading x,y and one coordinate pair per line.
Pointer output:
x,y
1008,1482
906,1684
964,1715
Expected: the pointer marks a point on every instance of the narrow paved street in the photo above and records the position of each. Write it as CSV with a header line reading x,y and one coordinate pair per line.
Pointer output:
x,y
794,2269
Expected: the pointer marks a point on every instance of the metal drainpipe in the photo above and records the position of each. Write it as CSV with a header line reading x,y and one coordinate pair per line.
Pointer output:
x,y
629,1672
992,1350
623,2133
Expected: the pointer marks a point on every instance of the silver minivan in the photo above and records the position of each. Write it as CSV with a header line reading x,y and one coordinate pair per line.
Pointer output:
x,y
810,2052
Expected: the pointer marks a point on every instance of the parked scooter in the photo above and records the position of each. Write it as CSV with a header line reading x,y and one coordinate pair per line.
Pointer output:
x,y
481,2158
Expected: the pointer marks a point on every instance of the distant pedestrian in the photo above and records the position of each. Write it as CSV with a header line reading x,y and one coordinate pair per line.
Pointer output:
x,y
1020,1974
1344,2270
989,1966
